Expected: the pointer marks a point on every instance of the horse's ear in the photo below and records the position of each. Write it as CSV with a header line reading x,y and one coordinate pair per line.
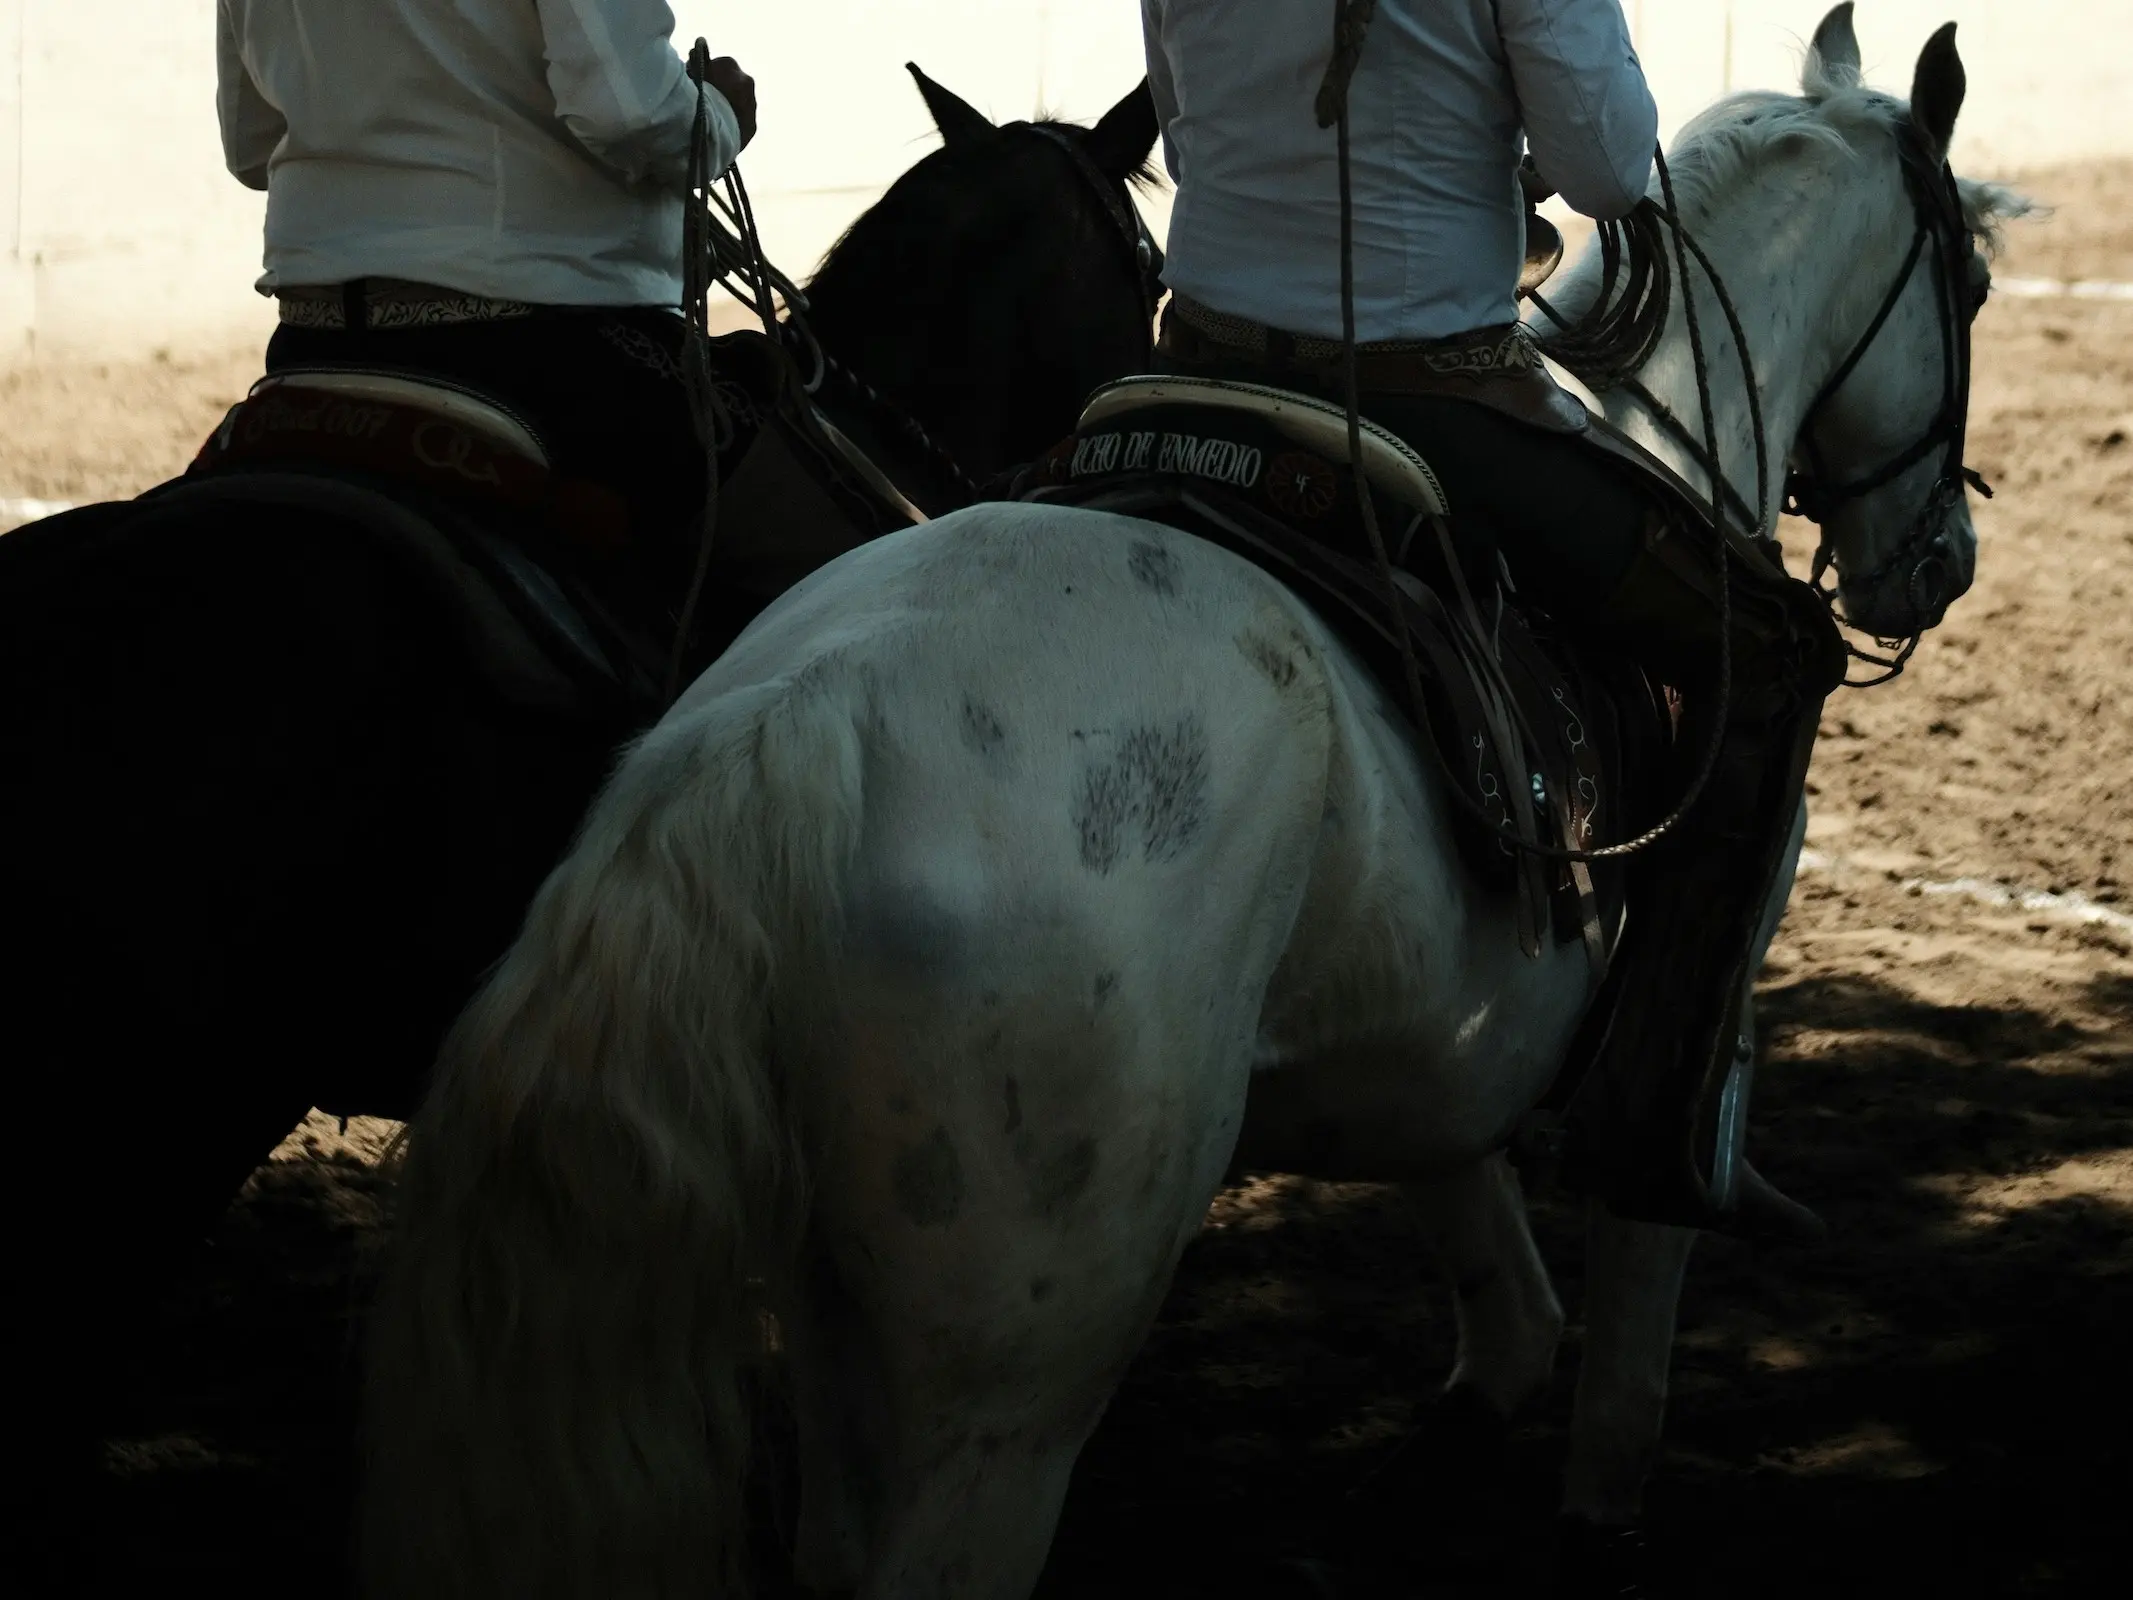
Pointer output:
x,y
1937,90
1119,144
956,117
1834,59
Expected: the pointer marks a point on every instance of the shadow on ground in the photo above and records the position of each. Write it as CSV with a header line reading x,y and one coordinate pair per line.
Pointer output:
x,y
1935,1403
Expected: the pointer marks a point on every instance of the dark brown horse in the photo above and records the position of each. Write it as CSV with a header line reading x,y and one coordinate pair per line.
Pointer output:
x,y
262,826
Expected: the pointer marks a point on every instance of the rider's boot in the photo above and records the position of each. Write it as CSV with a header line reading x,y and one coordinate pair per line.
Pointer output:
x,y
1643,1131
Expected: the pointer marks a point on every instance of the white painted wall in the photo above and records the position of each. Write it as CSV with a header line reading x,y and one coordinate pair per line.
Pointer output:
x,y
2050,80
119,230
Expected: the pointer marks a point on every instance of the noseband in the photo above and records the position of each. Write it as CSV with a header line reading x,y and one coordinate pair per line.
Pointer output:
x,y
1124,214
1923,558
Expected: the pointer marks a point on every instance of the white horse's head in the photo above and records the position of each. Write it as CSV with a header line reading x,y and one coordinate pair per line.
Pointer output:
x,y
1853,254
1878,455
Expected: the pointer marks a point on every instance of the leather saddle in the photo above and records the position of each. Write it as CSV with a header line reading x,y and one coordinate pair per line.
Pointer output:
x,y
538,571
1541,741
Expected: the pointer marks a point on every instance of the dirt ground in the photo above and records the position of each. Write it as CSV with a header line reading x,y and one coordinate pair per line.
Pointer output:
x,y
1938,1402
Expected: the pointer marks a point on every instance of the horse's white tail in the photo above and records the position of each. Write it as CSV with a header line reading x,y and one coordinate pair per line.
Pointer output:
x,y
605,1174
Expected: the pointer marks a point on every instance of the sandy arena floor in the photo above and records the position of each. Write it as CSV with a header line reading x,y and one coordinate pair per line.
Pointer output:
x,y
1935,1403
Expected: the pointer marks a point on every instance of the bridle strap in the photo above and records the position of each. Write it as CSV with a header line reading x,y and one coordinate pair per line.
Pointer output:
x,y
1937,202
1938,207
1132,227
1860,345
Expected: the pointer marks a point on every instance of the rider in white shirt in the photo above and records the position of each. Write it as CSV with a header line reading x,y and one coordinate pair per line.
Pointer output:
x,y
1443,97
1438,107
490,192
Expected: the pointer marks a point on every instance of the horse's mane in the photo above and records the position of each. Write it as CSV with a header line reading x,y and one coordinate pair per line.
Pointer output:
x,y
1721,145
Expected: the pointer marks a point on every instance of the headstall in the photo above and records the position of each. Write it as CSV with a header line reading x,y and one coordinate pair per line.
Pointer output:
x,y
1924,555
1125,215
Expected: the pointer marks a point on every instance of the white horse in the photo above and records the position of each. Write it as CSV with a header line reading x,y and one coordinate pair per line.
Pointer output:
x,y
915,981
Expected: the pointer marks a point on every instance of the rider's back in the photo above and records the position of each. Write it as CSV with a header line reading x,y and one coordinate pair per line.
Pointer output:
x,y
1439,103
525,150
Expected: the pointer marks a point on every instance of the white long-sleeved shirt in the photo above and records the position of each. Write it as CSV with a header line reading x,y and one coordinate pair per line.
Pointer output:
x,y
528,150
1444,91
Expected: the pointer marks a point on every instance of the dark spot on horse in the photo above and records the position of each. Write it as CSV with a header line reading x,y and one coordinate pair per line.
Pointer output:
x,y
1153,568
1105,983
928,1179
1102,808
1155,783
1269,658
1060,1178
1039,1288
1014,1106
982,733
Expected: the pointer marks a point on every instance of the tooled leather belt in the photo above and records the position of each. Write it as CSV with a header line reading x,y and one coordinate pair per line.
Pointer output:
x,y
389,303
1497,367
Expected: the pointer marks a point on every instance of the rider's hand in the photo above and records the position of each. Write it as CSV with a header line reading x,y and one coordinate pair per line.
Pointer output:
x,y
725,75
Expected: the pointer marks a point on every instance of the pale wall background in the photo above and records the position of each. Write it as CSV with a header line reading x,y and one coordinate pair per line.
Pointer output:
x,y
120,232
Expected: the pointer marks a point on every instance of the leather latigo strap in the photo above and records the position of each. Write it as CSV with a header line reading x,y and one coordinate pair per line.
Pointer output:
x,y
293,427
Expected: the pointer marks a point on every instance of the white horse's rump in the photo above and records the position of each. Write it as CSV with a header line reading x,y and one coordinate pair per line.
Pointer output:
x,y
1008,938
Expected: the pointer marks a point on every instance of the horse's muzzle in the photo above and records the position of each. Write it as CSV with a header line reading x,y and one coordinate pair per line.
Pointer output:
x,y
1914,594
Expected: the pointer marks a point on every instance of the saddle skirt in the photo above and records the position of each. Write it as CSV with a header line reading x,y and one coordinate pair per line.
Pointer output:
x,y
1545,743
544,576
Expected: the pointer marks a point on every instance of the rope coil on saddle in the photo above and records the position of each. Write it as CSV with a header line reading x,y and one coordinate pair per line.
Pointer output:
x,y
1619,334
1640,325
